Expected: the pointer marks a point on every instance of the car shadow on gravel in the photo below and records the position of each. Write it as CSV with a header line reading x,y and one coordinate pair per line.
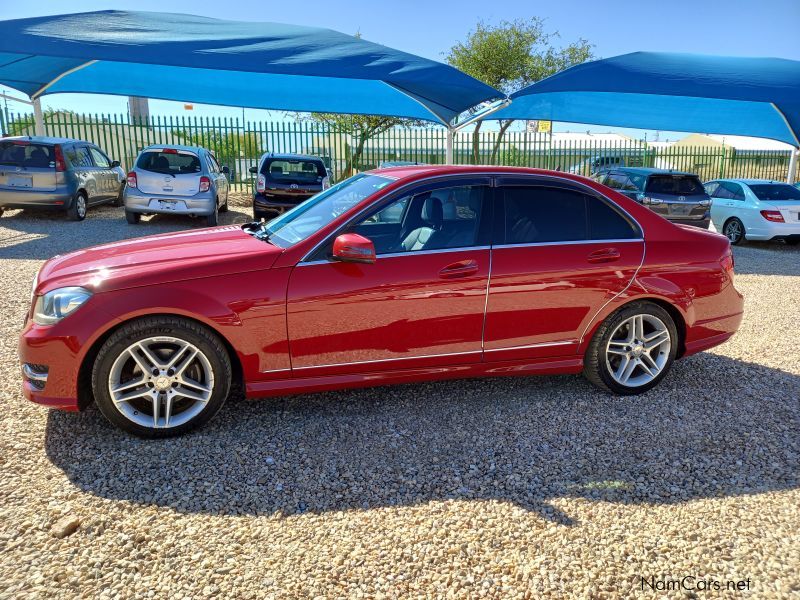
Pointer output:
x,y
767,258
27,234
716,427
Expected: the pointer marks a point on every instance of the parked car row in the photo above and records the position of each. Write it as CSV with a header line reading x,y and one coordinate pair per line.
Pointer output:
x,y
74,175
741,209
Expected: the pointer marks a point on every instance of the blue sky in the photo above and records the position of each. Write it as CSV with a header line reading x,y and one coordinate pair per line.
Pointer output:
x,y
429,28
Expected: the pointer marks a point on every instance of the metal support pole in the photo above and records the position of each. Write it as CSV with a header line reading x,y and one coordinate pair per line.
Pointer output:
x,y
451,134
38,117
792,177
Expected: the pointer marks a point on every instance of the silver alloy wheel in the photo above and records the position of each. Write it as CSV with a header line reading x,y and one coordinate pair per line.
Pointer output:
x,y
638,350
733,230
161,382
80,206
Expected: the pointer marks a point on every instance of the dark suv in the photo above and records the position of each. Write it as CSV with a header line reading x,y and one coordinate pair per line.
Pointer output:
x,y
677,196
286,180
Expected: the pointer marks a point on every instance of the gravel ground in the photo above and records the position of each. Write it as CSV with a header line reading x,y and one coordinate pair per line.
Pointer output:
x,y
530,488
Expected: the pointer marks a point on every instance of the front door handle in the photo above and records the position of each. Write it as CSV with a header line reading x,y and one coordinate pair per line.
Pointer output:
x,y
462,268
603,255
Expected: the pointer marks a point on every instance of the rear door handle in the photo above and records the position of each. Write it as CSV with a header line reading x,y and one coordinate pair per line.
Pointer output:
x,y
603,255
462,268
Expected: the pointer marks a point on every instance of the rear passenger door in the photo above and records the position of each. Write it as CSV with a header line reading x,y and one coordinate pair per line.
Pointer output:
x,y
106,178
560,253
84,170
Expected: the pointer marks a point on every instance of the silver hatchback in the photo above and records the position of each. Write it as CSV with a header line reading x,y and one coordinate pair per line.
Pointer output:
x,y
181,180
57,173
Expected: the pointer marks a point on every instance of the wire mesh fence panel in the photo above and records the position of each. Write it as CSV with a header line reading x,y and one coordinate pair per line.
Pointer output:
x,y
238,144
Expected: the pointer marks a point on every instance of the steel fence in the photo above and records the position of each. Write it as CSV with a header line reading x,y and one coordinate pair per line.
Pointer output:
x,y
238,144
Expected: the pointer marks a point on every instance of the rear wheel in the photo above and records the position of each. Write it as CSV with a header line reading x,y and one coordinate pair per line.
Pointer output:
x,y
734,231
224,207
161,376
213,218
632,350
77,208
132,218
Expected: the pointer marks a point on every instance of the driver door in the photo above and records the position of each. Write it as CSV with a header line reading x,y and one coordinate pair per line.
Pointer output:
x,y
420,304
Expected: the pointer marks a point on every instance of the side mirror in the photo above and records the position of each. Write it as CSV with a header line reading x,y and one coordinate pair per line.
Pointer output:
x,y
351,247
114,163
226,169
254,170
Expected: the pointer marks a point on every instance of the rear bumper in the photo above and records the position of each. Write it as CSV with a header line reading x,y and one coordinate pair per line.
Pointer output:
x,y
201,204
276,204
773,231
701,223
711,332
60,198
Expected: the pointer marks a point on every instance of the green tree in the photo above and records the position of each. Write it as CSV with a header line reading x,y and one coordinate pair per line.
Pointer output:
x,y
226,145
25,124
510,56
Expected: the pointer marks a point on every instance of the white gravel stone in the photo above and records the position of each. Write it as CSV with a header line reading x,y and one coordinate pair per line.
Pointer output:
x,y
505,488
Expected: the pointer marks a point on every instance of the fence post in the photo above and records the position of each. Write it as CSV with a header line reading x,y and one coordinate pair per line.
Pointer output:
x,y
722,163
790,178
448,156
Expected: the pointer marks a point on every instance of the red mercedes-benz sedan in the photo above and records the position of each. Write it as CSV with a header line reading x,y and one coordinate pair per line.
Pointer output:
x,y
397,275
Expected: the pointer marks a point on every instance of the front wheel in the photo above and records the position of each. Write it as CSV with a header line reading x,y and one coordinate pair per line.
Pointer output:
x,y
161,376
734,231
632,350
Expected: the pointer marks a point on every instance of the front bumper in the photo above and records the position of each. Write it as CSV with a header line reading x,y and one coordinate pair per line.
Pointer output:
x,y
39,350
201,204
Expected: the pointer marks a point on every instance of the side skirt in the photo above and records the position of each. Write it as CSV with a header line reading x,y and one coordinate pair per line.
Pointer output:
x,y
279,387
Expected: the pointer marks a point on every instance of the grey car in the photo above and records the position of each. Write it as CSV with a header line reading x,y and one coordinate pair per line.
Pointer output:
x,y
60,173
675,195
176,180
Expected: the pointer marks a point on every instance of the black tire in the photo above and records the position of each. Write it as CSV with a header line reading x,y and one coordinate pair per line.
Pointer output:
x,y
596,367
120,199
729,230
2,210
78,207
788,242
224,207
132,218
194,333
213,218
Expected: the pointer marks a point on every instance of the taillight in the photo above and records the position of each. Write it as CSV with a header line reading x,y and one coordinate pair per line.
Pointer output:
x,y
132,183
772,215
59,156
728,263
205,184
326,183
169,151
261,185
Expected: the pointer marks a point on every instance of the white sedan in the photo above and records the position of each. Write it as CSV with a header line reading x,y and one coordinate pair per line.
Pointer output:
x,y
755,209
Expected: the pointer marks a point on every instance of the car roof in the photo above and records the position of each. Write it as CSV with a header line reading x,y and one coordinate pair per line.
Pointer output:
x,y
650,171
423,171
173,146
289,155
43,139
751,181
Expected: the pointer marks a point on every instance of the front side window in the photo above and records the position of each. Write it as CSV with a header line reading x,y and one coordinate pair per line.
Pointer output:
x,y
441,219
100,159
539,214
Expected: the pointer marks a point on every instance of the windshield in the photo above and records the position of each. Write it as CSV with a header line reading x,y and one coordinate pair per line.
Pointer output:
x,y
283,170
684,185
169,162
775,191
315,213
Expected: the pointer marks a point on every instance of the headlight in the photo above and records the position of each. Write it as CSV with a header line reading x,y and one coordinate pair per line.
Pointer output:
x,y
57,304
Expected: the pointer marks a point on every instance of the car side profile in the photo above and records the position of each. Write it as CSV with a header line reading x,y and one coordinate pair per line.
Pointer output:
x,y
391,276
57,173
176,180
755,209
675,195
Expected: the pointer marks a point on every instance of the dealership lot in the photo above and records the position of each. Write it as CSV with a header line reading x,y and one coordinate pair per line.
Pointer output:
x,y
531,486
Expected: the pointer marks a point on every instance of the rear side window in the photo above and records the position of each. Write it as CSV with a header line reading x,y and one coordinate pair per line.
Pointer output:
x,y
545,214
729,191
678,185
24,154
78,157
173,163
283,170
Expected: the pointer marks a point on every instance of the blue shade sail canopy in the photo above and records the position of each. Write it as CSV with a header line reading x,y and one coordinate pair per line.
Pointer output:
x,y
254,65
757,97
